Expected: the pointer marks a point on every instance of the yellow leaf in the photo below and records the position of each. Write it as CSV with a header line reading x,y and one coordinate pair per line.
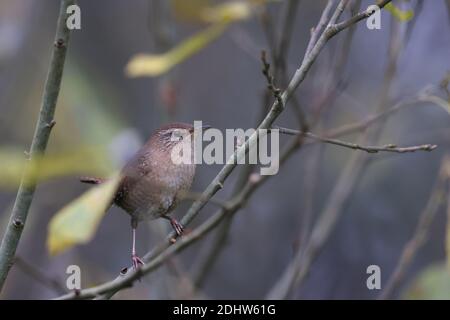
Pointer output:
x,y
401,15
432,283
52,165
220,16
77,222
155,65
203,11
13,163
228,12
190,11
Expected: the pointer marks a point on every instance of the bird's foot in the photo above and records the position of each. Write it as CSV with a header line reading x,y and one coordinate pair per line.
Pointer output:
x,y
179,229
137,262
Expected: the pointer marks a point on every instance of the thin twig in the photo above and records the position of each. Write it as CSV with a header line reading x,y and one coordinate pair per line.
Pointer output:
x,y
194,196
306,253
420,235
383,114
323,21
39,276
43,128
355,146
285,36
281,55
412,23
276,92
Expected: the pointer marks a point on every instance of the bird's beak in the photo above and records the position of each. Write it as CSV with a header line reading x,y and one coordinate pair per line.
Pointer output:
x,y
205,127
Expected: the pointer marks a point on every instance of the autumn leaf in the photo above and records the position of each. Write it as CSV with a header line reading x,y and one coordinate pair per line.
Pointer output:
x,y
155,65
432,283
77,222
52,165
399,14
227,12
221,16
189,11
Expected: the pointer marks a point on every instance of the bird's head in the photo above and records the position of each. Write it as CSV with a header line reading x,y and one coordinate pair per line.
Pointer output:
x,y
175,134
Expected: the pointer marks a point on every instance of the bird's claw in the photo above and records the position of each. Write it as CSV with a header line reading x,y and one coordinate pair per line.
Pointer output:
x,y
179,229
137,262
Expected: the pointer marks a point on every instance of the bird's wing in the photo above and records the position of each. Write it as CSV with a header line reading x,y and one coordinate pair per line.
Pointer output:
x,y
132,175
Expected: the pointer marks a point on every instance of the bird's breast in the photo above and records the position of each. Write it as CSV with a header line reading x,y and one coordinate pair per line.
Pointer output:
x,y
157,192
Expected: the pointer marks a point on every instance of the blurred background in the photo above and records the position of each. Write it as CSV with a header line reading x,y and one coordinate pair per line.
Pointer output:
x,y
105,112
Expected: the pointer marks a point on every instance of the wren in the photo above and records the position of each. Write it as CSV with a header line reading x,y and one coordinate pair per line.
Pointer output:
x,y
152,184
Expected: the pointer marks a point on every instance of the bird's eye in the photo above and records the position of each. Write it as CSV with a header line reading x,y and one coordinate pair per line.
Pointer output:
x,y
176,134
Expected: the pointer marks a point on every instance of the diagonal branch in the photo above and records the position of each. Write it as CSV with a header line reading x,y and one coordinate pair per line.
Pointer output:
x,y
419,238
355,146
315,32
41,136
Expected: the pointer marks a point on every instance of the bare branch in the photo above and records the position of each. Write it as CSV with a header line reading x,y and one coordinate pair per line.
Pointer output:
x,y
355,146
41,136
39,276
316,32
270,79
420,235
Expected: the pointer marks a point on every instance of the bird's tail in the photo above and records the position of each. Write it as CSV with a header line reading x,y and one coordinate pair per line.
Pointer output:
x,y
92,180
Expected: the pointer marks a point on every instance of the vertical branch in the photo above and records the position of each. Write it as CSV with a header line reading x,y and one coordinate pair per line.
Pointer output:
x,y
299,268
163,31
315,32
310,180
43,128
39,276
281,56
421,233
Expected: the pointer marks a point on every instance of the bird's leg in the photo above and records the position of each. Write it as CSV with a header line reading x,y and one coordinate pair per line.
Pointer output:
x,y
179,229
134,257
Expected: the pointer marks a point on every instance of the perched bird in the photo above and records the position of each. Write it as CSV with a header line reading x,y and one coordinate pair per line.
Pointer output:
x,y
152,184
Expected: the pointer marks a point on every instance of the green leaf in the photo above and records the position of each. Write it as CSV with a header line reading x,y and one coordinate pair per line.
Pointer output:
x,y
77,222
399,14
433,283
157,64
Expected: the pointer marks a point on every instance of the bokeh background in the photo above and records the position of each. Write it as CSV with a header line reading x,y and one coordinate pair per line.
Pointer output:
x,y
102,110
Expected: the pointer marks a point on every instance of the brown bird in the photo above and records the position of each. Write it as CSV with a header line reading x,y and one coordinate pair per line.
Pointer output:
x,y
152,184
